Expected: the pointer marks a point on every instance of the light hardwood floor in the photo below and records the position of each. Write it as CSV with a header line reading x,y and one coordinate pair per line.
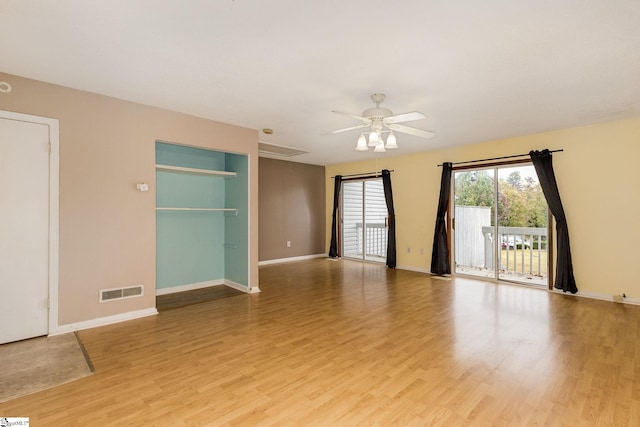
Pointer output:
x,y
344,343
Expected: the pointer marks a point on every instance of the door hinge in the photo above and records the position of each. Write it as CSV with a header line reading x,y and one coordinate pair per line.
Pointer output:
x,y
48,302
49,147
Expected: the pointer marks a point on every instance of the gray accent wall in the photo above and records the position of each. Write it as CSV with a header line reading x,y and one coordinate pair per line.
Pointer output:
x,y
291,208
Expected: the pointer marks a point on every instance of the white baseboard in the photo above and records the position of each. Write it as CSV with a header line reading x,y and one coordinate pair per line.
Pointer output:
x,y
241,287
103,321
190,287
594,295
291,259
208,284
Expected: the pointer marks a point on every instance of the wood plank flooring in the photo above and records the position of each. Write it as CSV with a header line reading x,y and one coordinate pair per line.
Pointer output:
x,y
344,343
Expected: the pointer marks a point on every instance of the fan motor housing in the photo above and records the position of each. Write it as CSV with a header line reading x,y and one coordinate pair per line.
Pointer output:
x,y
378,113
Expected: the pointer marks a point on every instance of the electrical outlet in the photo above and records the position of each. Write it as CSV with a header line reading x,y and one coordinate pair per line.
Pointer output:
x,y
421,251
288,243
408,250
619,298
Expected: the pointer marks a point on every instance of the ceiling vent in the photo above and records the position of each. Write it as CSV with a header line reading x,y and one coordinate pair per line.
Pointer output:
x,y
121,293
278,150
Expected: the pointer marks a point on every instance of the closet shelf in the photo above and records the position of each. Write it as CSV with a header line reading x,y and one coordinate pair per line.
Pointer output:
x,y
194,171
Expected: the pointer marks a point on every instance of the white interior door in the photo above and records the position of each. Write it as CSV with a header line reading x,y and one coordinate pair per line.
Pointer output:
x,y
24,229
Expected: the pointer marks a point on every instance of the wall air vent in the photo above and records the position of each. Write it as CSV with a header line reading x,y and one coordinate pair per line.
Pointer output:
x,y
267,150
121,293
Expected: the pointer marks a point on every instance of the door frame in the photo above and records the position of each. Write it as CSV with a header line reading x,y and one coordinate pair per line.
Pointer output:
x,y
341,210
54,195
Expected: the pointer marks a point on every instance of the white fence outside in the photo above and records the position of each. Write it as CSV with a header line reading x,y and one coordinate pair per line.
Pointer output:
x,y
469,240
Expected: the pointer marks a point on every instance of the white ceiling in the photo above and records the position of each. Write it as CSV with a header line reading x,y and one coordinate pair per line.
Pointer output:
x,y
479,70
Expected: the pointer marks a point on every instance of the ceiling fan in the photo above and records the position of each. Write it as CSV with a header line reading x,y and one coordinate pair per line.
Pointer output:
x,y
382,120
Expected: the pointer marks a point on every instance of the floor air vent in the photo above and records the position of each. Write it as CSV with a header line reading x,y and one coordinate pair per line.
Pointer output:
x,y
121,293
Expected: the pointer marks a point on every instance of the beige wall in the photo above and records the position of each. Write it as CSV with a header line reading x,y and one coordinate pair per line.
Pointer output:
x,y
598,182
291,209
107,228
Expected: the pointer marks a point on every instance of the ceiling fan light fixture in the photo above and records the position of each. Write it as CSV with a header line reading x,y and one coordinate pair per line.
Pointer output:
x,y
362,143
391,141
379,148
374,139
379,121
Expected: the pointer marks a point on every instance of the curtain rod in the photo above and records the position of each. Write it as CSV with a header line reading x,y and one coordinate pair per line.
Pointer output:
x,y
499,158
364,174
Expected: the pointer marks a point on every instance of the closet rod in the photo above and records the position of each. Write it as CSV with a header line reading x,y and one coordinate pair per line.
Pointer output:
x,y
365,174
499,158
198,209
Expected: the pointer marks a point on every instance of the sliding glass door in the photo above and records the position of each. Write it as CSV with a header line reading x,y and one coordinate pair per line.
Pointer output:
x,y
364,220
474,222
500,224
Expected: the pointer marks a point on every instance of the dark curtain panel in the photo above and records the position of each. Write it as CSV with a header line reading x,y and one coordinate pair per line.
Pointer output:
x,y
333,247
543,162
391,237
440,252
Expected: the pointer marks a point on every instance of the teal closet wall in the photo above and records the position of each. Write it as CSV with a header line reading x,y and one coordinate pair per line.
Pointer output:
x,y
190,245
188,248
237,231
189,157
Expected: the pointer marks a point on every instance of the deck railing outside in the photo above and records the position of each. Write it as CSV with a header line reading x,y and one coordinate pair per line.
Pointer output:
x,y
375,239
523,250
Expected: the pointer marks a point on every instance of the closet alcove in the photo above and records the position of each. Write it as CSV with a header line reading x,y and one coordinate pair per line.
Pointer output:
x,y
202,219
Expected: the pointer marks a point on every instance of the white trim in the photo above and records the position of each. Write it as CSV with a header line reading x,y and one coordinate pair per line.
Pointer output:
x,y
54,192
189,287
241,287
208,284
103,321
291,259
594,295
249,231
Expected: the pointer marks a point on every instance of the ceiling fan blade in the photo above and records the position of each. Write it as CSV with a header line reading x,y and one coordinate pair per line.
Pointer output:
x,y
353,116
405,117
411,131
349,128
